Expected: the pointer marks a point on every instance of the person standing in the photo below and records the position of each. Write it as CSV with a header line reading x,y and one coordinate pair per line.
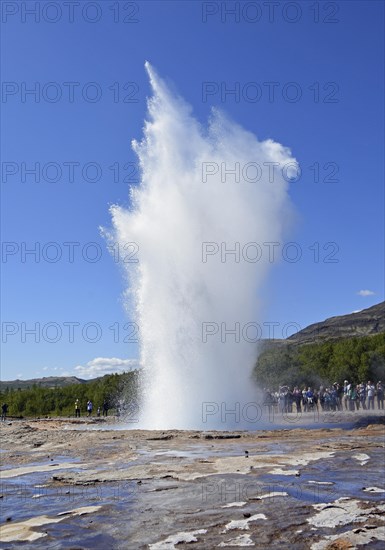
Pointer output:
x,y
77,409
309,400
89,408
283,399
297,394
346,390
352,397
340,393
4,410
334,397
371,390
380,395
105,408
362,395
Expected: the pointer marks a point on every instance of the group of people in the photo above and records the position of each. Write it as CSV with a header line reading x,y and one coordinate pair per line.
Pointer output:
x,y
337,397
89,407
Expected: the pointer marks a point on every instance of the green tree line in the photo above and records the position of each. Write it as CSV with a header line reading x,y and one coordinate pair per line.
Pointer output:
x,y
60,401
356,359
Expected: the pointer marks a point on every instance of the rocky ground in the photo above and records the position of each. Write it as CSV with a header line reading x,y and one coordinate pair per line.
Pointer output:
x,y
88,484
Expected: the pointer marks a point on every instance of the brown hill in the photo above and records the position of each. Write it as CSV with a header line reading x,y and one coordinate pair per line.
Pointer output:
x,y
366,322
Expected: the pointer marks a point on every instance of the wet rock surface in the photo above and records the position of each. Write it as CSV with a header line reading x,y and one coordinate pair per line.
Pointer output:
x,y
67,485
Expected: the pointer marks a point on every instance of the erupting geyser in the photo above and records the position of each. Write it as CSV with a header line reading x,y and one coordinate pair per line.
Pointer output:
x,y
187,294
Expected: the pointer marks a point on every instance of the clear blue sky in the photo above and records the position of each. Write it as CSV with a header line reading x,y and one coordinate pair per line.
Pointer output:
x,y
337,67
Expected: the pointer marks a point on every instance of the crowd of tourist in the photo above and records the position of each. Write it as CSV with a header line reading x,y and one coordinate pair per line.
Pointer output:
x,y
337,397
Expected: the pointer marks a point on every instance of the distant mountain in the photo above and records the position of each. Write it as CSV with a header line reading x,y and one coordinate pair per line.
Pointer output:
x,y
45,382
366,322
